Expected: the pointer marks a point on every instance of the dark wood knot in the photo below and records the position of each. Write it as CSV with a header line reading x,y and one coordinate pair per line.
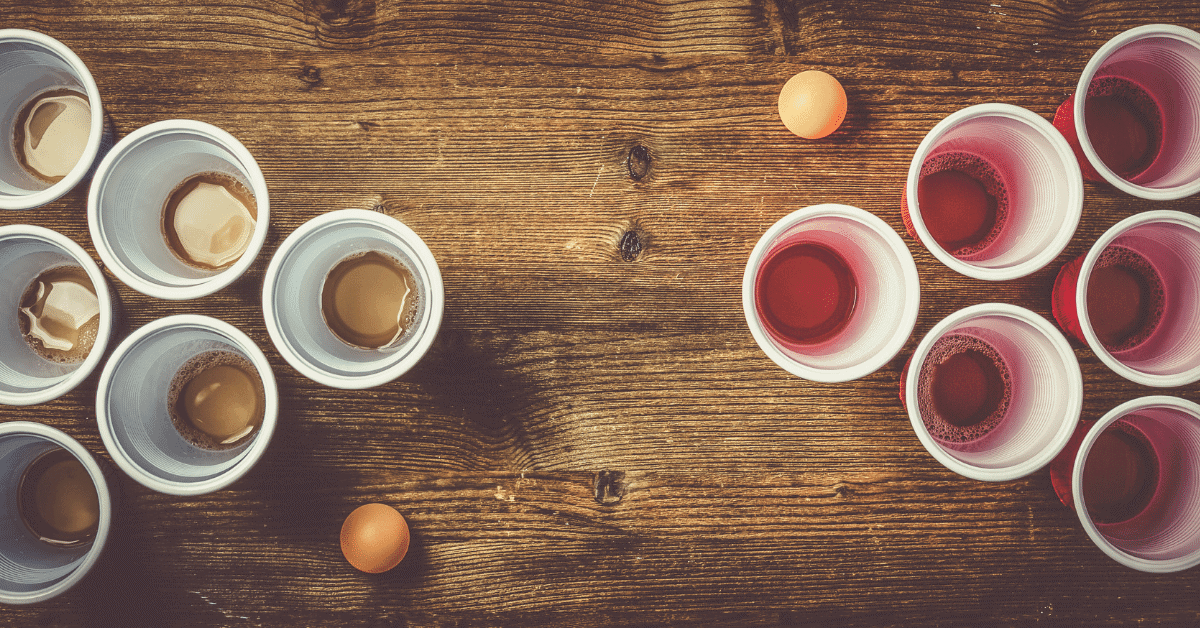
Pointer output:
x,y
843,491
609,487
311,75
630,245
638,162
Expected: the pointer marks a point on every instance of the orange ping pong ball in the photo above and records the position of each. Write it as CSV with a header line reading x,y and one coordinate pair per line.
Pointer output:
x,y
812,104
374,538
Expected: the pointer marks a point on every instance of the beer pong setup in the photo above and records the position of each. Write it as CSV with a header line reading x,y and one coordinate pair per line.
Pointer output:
x,y
353,299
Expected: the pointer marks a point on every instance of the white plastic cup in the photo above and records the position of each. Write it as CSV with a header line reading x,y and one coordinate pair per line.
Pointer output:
x,y
1165,536
1170,242
292,298
131,187
31,570
32,63
1163,60
1045,387
888,293
1037,171
27,378
131,406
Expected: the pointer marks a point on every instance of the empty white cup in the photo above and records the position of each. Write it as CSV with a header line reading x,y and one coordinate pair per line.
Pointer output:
x,y
132,413
30,569
31,64
27,378
888,293
1164,536
292,298
1035,171
130,190
1045,393
1170,242
1164,62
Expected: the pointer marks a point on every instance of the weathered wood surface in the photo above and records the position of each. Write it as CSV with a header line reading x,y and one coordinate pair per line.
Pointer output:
x,y
595,438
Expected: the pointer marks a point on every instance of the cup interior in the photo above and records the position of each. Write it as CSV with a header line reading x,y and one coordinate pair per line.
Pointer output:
x,y
886,285
132,404
1167,530
294,296
1045,395
25,375
1044,193
1171,353
132,189
1168,69
27,69
29,566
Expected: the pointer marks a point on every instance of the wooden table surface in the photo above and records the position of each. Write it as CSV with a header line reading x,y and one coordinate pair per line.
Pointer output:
x,y
595,439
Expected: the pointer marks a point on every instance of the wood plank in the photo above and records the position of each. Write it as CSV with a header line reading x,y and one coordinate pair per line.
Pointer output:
x,y
537,549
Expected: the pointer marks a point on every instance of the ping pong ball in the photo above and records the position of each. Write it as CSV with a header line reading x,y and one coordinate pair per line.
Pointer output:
x,y
812,104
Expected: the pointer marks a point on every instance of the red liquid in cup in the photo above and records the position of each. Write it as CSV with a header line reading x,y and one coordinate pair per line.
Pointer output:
x,y
1125,298
1124,125
805,293
963,390
1120,475
963,202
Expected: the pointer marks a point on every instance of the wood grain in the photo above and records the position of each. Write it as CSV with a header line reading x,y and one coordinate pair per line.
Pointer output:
x,y
594,439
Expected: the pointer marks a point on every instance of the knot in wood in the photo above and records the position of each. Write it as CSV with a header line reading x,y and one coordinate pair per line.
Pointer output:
x,y
311,75
630,245
638,162
609,487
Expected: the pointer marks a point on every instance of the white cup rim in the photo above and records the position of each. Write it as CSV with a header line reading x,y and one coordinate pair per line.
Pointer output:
x,y
1093,66
1066,428
103,332
1085,446
253,452
907,316
436,296
103,526
1065,155
1085,273
193,288
95,132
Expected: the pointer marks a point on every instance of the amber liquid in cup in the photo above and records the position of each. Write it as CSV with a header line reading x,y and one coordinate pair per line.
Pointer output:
x,y
50,133
216,400
209,219
370,300
57,500
59,314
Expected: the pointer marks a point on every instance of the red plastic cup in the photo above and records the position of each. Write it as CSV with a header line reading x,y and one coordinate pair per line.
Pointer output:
x,y
1029,168
887,293
1156,70
1041,403
1140,467
1169,353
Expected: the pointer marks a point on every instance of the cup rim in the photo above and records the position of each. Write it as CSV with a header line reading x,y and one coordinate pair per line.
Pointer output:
x,y
1065,429
384,222
103,332
1085,446
1065,155
193,288
1085,273
1093,66
95,133
908,316
256,448
105,498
